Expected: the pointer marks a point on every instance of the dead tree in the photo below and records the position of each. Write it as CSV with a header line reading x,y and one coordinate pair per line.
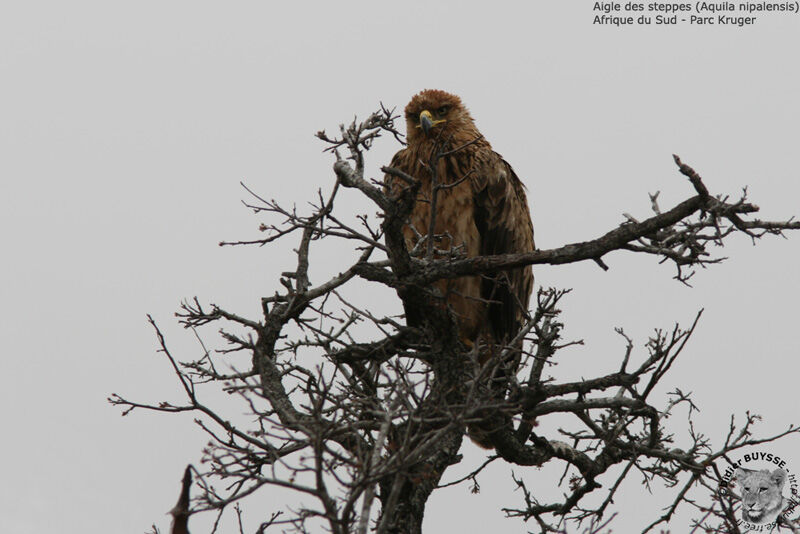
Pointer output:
x,y
361,414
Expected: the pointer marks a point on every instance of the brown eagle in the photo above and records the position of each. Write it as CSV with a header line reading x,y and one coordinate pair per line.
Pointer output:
x,y
481,209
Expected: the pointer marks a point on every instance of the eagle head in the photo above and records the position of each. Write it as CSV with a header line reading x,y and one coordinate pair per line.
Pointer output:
x,y
433,113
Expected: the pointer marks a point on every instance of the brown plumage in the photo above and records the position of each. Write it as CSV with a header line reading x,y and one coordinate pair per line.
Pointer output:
x,y
483,209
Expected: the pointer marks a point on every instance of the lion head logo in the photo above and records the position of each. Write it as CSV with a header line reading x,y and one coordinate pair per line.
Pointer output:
x,y
762,501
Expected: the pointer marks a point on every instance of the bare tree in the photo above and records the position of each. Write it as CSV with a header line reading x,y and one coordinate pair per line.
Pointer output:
x,y
362,414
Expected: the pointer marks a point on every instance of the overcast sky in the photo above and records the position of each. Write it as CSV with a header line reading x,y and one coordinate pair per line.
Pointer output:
x,y
126,127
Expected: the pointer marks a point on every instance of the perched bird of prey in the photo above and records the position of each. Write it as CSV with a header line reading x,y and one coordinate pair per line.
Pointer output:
x,y
481,209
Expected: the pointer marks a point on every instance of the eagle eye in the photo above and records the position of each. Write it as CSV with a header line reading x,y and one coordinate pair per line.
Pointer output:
x,y
442,110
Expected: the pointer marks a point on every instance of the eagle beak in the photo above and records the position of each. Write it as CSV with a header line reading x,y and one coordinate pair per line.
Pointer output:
x,y
426,121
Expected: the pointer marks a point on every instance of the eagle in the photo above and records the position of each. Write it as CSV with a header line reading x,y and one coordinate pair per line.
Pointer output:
x,y
480,209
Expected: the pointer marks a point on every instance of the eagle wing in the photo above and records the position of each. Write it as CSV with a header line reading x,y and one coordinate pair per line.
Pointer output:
x,y
400,161
499,210
504,224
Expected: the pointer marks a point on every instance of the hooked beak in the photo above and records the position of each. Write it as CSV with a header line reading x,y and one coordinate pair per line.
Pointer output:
x,y
426,121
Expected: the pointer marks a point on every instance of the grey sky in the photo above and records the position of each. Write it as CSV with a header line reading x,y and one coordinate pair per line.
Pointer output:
x,y
125,128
